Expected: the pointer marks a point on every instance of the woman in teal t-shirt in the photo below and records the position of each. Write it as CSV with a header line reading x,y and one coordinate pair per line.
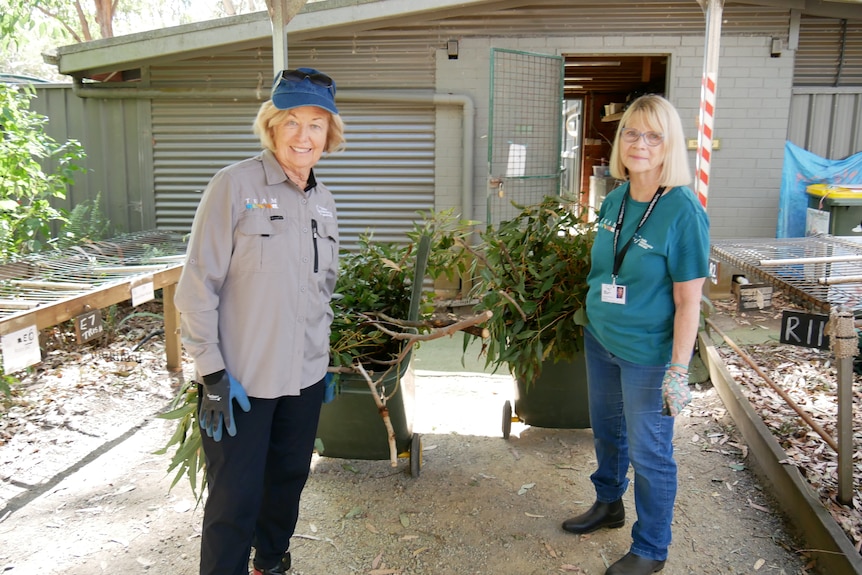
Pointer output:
x,y
648,265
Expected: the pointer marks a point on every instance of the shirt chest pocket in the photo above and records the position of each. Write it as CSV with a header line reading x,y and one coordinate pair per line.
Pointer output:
x,y
259,242
327,245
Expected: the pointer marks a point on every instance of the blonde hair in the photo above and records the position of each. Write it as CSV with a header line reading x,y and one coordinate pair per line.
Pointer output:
x,y
268,116
659,115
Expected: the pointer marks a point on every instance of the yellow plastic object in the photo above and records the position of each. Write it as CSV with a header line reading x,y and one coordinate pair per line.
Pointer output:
x,y
834,192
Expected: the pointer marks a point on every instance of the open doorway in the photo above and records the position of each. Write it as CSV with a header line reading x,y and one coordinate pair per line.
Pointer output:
x,y
597,88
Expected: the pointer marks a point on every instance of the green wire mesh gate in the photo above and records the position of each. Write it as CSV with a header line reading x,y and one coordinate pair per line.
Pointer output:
x,y
525,130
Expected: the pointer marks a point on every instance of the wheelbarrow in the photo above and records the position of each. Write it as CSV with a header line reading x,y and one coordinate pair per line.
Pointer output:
x,y
351,426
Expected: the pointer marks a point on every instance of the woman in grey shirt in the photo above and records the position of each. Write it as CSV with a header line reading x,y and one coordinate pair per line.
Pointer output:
x,y
255,302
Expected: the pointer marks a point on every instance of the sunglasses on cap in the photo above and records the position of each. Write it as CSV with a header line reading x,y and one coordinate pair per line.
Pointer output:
x,y
297,76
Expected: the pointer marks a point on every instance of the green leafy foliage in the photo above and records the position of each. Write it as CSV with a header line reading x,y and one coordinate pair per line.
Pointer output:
x,y
6,382
25,187
188,458
85,222
378,279
534,280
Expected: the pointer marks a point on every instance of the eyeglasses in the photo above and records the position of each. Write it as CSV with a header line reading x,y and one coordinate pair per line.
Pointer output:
x,y
631,136
297,76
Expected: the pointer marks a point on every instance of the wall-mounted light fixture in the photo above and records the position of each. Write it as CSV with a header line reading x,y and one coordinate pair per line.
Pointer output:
x,y
775,48
452,49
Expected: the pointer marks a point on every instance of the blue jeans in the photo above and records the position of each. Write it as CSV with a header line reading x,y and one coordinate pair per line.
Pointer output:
x,y
628,427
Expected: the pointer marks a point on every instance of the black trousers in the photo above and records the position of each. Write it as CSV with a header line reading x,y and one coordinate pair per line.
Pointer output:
x,y
255,479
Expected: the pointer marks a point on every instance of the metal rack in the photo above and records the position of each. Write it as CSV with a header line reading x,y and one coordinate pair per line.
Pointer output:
x,y
48,277
817,272
45,289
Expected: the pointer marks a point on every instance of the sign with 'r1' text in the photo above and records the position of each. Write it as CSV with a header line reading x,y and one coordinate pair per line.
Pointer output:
x,y
804,329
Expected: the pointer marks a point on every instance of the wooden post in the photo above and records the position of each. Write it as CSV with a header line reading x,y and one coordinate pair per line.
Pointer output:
x,y
845,346
173,345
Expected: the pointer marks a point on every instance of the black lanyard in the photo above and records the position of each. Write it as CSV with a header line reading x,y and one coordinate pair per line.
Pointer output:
x,y
618,257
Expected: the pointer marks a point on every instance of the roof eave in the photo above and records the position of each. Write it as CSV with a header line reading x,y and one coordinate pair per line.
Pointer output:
x,y
128,52
132,51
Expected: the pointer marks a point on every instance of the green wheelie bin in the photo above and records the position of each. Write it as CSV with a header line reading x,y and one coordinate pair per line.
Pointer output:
x,y
351,427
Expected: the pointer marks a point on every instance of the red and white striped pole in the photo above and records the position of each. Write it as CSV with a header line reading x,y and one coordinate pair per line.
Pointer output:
x,y
704,137
706,116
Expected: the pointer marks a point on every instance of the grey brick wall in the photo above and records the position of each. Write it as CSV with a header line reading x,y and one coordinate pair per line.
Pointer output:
x,y
751,118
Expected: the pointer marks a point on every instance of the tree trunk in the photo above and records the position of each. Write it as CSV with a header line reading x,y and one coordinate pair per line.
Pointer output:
x,y
105,17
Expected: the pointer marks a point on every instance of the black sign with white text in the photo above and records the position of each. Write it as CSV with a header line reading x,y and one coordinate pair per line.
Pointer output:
x,y
804,329
89,326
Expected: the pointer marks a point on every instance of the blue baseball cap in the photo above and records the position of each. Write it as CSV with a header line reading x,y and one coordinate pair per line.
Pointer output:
x,y
303,87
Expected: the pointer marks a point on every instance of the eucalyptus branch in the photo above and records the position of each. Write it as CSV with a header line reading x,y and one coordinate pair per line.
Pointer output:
x,y
439,326
504,251
514,303
384,413
57,17
476,254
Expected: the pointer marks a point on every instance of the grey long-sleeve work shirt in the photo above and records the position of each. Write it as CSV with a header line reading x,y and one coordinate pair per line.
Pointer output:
x,y
255,291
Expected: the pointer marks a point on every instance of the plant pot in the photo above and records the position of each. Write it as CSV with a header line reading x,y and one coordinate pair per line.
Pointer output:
x,y
351,427
558,398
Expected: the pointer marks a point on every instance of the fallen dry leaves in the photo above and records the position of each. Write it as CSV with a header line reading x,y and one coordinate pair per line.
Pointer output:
x,y
809,378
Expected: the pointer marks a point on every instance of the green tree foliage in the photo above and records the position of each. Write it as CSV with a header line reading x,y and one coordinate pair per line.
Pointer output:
x,y
26,188
33,27
533,277
86,222
377,281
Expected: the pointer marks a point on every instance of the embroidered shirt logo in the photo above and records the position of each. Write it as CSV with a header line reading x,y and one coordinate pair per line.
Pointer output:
x,y
324,212
607,225
261,204
641,242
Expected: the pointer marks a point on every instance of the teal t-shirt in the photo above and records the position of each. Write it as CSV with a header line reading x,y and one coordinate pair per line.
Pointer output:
x,y
672,246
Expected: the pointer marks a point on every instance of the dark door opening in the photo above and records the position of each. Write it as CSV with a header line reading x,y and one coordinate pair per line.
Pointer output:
x,y
604,84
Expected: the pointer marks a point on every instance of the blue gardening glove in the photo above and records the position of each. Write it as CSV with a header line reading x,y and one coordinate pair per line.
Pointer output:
x,y
329,391
220,389
675,392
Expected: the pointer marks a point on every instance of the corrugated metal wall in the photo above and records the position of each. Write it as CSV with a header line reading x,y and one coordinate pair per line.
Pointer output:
x,y
383,177
829,54
380,181
192,140
826,122
115,136
826,107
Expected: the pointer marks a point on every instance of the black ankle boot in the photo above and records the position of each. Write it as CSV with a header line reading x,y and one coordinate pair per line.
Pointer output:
x,y
282,568
610,515
632,564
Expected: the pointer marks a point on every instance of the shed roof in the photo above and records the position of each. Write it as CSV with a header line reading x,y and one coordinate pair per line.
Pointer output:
x,y
113,58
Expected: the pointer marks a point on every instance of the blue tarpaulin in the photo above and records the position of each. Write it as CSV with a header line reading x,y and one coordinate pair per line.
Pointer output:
x,y
801,169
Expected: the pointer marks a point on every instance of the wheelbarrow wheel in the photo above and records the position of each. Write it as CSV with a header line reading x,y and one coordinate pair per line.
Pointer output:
x,y
415,455
507,419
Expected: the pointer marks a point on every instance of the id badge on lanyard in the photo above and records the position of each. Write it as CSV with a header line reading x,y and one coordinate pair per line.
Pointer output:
x,y
614,292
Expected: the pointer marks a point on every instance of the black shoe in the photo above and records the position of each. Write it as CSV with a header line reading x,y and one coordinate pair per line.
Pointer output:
x,y
610,515
280,569
632,564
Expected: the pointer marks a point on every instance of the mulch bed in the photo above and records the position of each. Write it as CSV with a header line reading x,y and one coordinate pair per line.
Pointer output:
x,y
809,377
